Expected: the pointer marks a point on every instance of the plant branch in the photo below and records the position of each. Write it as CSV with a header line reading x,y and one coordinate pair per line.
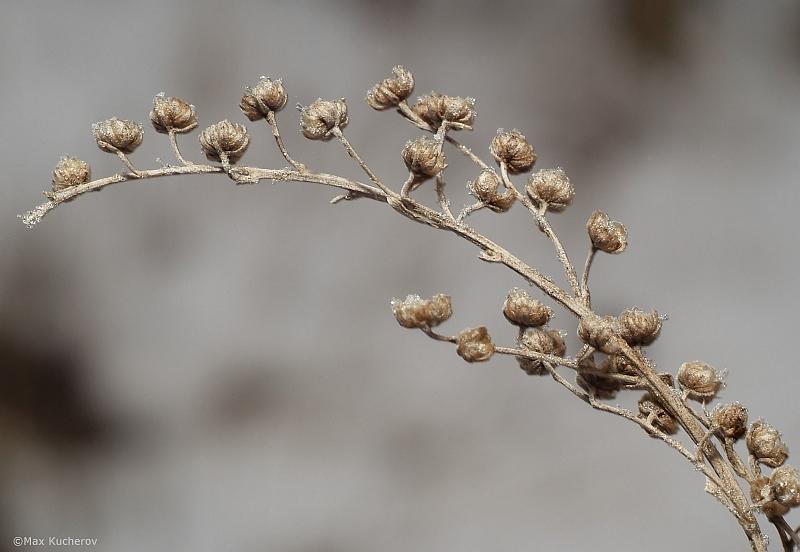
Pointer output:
x,y
273,124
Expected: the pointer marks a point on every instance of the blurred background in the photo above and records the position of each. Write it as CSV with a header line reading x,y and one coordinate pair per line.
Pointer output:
x,y
187,365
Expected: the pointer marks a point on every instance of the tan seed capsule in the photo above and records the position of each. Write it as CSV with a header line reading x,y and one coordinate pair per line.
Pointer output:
x,y
415,312
434,108
512,148
503,202
600,385
649,406
761,494
321,117
731,419
785,484
764,443
485,186
69,172
609,236
700,381
172,114
392,90
638,327
523,310
224,139
268,95
475,344
600,333
114,135
551,186
423,156
539,340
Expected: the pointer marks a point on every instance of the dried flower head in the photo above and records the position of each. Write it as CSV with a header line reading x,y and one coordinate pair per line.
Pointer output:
x,y
638,327
609,236
416,312
268,95
602,387
618,364
512,148
761,494
321,117
423,156
731,419
649,407
600,333
485,186
540,340
69,172
172,114
391,90
785,484
224,140
434,108
523,310
114,135
551,186
764,443
700,380
475,344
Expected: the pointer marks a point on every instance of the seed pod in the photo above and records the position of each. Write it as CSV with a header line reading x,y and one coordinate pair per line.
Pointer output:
x,y
427,108
268,95
114,135
620,365
415,312
700,381
600,333
551,186
423,156
172,114
785,484
484,188
638,327
512,148
434,108
539,340
523,310
731,419
318,119
764,443
69,172
607,235
475,344
503,202
661,418
224,139
761,493
391,90
601,386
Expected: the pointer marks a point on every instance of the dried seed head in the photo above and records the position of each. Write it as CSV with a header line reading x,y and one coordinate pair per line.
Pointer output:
x,y
434,108
539,340
523,310
785,484
69,172
172,114
618,364
268,95
731,419
601,387
600,333
764,443
551,186
318,119
607,235
638,327
423,156
475,344
484,188
415,312
503,202
700,381
648,406
512,148
114,135
761,494
391,90
224,139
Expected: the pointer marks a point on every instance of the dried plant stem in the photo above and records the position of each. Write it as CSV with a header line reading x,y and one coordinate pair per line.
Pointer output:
x,y
336,131
273,124
779,522
444,203
585,293
173,142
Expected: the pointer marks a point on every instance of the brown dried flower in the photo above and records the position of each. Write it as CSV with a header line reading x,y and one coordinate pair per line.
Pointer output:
x,y
700,381
268,95
512,148
764,443
785,484
69,172
551,186
475,344
761,493
224,140
649,406
423,156
540,340
600,333
114,135
638,327
318,119
609,236
434,108
601,386
484,188
391,90
415,312
523,310
172,114
731,419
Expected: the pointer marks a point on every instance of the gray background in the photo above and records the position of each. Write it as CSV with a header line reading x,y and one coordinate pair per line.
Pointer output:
x,y
191,366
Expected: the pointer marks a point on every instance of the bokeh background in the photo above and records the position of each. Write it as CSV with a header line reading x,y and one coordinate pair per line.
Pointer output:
x,y
191,366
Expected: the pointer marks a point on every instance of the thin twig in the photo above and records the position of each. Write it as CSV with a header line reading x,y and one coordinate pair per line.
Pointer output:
x,y
273,123
173,142
336,131
587,297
